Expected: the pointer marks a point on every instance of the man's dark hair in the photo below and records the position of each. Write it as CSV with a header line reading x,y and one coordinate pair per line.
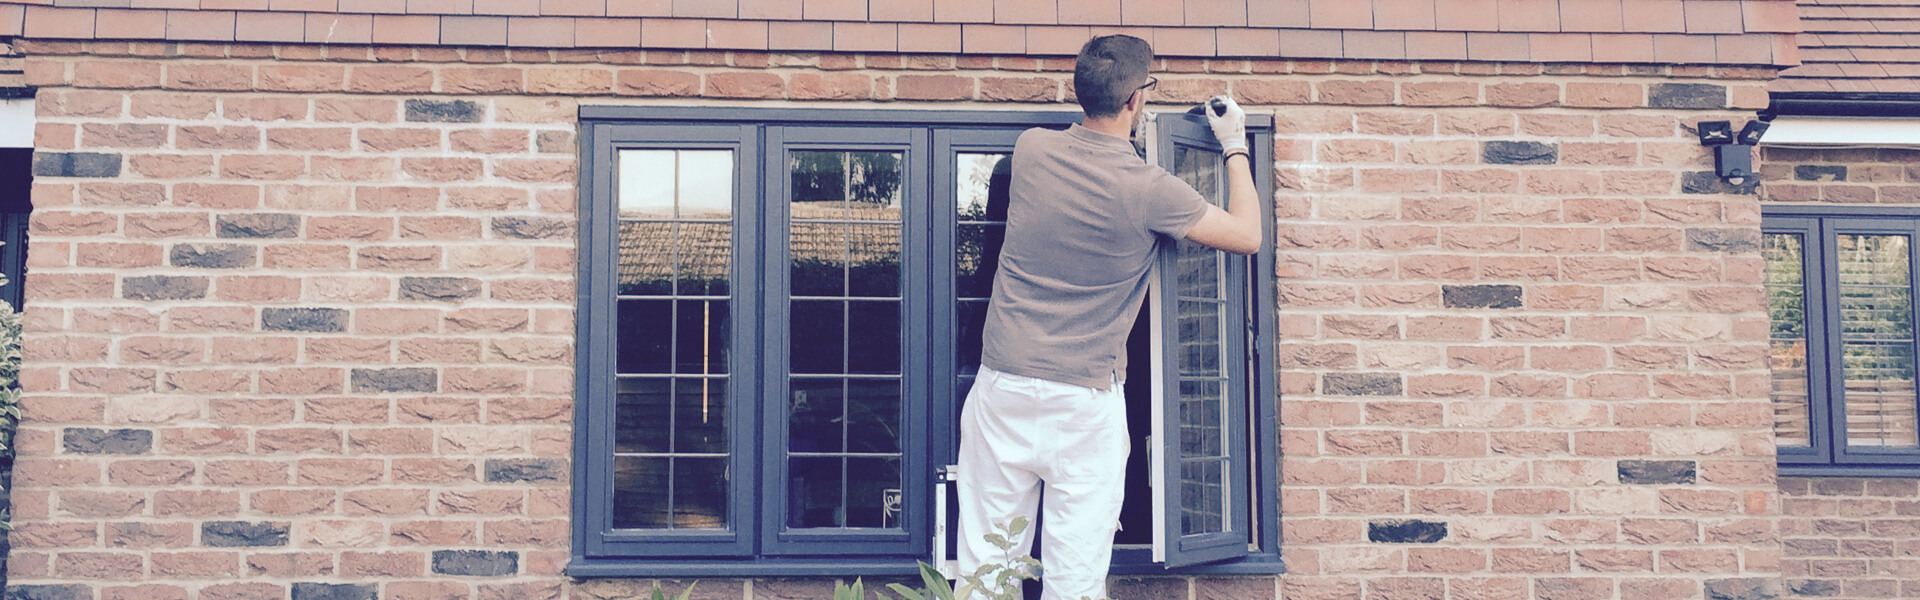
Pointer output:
x,y
1109,69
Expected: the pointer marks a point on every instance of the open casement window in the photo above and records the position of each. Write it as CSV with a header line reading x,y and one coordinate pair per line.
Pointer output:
x,y
780,318
1840,289
1200,380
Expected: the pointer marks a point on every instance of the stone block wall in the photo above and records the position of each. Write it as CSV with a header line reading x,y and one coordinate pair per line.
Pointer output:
x,y
300,318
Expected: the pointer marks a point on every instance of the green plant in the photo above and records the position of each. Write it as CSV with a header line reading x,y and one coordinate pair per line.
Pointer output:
x,y
998,581
9,388
684,594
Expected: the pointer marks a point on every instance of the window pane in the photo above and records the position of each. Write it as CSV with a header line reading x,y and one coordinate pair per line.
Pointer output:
x,y
673,331
844,421
815,414
646,336
1201,306
646,257
703,258
981,185
1787,309
646,183
1876,320
640,416
818,332
699,416
701,335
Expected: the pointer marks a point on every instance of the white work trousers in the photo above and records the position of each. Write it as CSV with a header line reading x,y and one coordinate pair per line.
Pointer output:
x,y
1019,433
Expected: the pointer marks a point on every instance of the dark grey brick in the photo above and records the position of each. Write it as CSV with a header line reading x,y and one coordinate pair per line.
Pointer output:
x,y
1686,95
443,111
241,534
526,470
334,591
1723,240
163,287
1657,471
475,563
1360,384
1406,532
1519,153
64,591
87,440
258,226
1820,172
1706,182
438,288
212,256
76,164
1813,587
412,379
1480,296
533,228
322,320
1745,588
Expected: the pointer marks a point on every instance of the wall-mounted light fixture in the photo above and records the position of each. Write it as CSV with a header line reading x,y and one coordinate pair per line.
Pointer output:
x,y
1732,153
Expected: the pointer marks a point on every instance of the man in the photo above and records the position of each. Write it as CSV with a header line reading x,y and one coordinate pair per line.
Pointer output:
x,y
1047,409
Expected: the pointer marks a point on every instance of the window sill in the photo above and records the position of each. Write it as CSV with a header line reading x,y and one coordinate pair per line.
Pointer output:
x,y
582,567
1792,470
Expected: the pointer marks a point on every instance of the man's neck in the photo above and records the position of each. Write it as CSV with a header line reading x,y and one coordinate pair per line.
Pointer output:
x,y
1120,126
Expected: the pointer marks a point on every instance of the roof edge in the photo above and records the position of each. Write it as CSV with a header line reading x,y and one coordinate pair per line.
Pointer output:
x,y
1843,104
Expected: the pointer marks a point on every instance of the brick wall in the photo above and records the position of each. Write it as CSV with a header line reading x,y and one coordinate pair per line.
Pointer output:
x,y
1847,538
1522,346
299,319
1851,538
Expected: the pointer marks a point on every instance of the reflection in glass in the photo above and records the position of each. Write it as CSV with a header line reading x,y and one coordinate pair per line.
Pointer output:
x,y
815,414
639,410
981,181
1787,343
1200,316
699,415
1877,340
845,328
873,416
673,337
645,336
818,334
1202,496
647,180
651,492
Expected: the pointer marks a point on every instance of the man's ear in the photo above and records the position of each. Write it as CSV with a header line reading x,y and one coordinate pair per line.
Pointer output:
x,y
1138,101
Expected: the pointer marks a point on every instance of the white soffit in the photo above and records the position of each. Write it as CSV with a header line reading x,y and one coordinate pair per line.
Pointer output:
x,y
1841,131
16,123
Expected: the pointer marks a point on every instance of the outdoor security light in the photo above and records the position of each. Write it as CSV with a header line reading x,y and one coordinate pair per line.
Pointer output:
x,y
1732,154
1715,133
1750,135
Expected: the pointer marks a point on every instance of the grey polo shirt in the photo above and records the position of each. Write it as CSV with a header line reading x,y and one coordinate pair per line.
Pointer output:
x,y
1081,229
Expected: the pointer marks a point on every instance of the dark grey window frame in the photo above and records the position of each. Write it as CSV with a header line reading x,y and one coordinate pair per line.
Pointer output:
x,y
1819,226
600,551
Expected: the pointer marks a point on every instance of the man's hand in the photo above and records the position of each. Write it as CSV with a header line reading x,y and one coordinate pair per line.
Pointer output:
x,y
1230,128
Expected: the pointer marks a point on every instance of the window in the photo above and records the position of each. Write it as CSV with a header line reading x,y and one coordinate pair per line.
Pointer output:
x,y
780,317
1840,296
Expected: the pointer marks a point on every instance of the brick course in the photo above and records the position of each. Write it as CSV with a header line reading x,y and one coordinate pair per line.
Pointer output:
x,y
325,348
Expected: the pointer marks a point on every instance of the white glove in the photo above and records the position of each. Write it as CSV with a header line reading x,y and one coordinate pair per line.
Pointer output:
x,y
1230,128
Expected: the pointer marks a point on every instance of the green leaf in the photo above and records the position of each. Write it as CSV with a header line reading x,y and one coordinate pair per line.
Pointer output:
x,y
657,594
936,583
1019,526
906,593
686,593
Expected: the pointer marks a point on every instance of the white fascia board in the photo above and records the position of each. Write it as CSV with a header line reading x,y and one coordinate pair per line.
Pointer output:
x,y
1841,131
16,123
